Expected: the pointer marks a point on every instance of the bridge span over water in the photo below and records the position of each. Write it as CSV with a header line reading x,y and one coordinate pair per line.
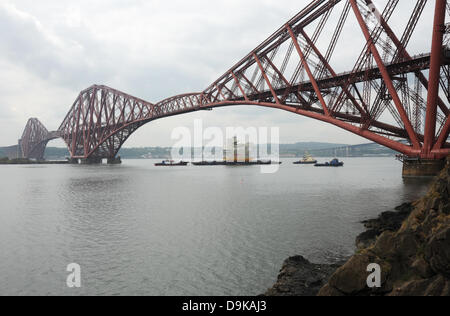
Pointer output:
x,y
390,96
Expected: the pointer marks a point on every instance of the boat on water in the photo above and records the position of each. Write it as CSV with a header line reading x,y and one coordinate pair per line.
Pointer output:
x,y
209,163
307,160
236,154
333,163
235,163
253,163
171,163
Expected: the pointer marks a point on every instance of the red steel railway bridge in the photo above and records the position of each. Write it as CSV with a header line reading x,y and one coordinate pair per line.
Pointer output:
x,y
390,96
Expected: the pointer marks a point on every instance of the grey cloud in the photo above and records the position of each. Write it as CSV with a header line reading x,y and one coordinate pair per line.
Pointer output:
x,y
27,43
79,59
151,49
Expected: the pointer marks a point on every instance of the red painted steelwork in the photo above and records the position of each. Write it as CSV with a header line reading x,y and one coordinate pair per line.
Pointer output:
x,y
34,140
289,71
435,73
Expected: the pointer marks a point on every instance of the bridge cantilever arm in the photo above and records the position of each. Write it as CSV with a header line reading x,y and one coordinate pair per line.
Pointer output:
x,y
308,70
387,79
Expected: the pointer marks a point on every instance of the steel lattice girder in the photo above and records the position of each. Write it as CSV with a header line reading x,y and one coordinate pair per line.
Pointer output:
x,y
102,119
34,139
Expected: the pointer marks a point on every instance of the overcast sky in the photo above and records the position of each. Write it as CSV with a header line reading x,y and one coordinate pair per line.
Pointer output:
x,y
52,49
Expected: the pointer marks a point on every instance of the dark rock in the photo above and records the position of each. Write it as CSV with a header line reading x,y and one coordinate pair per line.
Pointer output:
x,y
299,277
348,279
412,288
446,290
367,239
405,208
387,221
351,278
434,203
436,287
429,222
422,268
445,209
384,245
438,252
406,245
328,290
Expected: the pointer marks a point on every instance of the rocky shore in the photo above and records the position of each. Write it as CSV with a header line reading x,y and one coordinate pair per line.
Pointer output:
x,y
299,277
410,244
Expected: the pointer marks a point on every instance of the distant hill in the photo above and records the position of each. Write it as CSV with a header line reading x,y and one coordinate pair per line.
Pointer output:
x,y
286,150
9,152
316,149
363,150
298,149
56,153
311,145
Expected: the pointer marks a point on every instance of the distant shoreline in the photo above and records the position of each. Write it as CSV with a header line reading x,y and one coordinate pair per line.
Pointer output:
x,y
297,150
60,161
32,162
281,157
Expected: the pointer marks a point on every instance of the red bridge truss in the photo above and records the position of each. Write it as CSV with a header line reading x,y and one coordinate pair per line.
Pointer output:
x,y
390,97
34,139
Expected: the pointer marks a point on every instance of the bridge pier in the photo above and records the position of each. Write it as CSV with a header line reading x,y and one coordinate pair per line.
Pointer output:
x,y
91,161
73,161
114,161
415,167
94,161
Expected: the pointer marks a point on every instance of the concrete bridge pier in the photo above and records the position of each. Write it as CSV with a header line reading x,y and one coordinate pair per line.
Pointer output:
x,y
114,161
95,161
416,167
91,161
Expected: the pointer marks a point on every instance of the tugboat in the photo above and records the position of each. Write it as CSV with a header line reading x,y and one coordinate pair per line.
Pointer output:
x,y
333,163
171,163
307,160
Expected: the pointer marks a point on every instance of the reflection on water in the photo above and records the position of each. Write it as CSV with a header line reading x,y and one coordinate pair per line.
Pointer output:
x,y
137,229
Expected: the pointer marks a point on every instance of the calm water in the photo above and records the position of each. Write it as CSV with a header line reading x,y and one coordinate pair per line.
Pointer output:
x,y
140,230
